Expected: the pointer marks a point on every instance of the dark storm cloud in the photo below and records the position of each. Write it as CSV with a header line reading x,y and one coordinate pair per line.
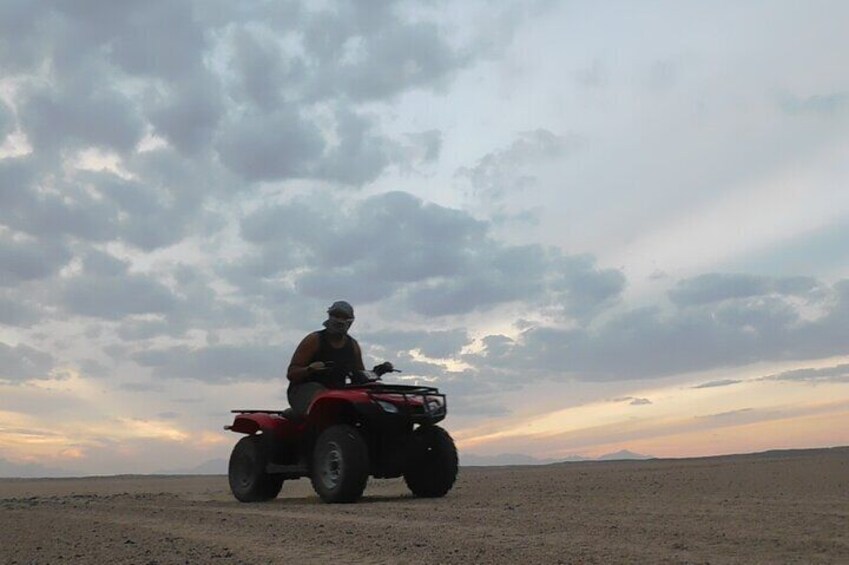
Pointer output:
x,y
463,295
201,306
118,70
188,115
743,414
20,45
22,363
29,259
819,250
439,260
836,374
268,147
367,52
104,289
716,287
582,289
282,15
360,155
356,286
216,364
708,334
262,69
719,383
567,286
230,88
139,330
145,387
417,151
95,49
157,38
16,178
93,368
80,114
6,122
98,263
113,298
285,144
92,206
51,216
348,53
397,58
393,237
144,305
135,208
17,310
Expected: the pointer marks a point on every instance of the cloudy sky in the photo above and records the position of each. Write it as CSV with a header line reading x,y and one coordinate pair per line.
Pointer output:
x,y
595,225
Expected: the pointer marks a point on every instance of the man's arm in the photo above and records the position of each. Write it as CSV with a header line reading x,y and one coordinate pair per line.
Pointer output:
x,y
358,356
300,367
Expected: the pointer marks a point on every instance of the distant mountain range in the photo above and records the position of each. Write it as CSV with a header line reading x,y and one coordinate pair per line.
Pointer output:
x,y
624,454
211,467
9,469
31,470
473,460
219,466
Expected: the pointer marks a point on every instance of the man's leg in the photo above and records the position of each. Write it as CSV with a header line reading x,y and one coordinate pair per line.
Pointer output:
x,y
301,396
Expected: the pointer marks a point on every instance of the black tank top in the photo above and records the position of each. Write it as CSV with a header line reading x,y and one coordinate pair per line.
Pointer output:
x,y
343,359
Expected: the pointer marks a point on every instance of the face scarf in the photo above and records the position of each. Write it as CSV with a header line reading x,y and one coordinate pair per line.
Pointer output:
x,y
338,326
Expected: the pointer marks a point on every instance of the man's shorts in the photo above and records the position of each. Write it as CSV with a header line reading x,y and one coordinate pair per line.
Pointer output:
x,y
300,396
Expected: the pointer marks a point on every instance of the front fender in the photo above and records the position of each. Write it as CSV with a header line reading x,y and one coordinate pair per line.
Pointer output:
x,y
259,422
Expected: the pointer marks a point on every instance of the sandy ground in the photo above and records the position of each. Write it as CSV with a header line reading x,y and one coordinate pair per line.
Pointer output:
x,y
788,507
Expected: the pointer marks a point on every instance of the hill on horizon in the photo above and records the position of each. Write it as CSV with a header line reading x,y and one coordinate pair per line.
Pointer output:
x,y
10,470
504,459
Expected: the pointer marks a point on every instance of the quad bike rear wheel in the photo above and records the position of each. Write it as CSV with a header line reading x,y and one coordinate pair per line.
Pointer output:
x,y
432,467
340,465
246,472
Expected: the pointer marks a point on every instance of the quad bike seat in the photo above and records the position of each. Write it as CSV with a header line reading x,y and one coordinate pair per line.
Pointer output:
x,y
292,416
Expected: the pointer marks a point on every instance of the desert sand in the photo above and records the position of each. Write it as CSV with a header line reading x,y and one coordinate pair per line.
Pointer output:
x,y
779,507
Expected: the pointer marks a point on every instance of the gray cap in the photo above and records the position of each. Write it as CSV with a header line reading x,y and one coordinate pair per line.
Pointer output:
x,y
341,307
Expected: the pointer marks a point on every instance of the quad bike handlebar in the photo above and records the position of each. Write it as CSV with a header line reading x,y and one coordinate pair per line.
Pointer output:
x,y
383,368
379,370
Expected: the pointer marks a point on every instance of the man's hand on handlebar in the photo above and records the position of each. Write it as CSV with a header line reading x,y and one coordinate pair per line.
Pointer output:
x,y
317,366
383,368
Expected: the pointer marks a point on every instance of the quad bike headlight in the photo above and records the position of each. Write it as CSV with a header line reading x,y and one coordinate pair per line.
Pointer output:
x,y
387,406
435,405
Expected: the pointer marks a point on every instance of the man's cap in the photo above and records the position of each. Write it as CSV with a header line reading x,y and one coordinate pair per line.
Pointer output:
x,y
342,308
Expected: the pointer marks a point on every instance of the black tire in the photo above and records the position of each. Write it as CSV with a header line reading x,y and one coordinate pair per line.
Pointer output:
x,y
340,465
248,480
432,467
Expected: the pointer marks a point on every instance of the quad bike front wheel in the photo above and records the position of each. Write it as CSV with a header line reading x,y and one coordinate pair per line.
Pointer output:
x,y
340,464
432,467
248,480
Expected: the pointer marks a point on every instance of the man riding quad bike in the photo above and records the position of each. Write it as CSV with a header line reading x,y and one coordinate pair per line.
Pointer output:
x,y
366,428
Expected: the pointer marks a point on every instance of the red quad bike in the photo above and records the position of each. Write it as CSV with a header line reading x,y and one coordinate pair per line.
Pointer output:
x,y
348,434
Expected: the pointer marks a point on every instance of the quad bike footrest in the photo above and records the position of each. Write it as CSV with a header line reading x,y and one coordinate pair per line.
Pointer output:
x,y
288,471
